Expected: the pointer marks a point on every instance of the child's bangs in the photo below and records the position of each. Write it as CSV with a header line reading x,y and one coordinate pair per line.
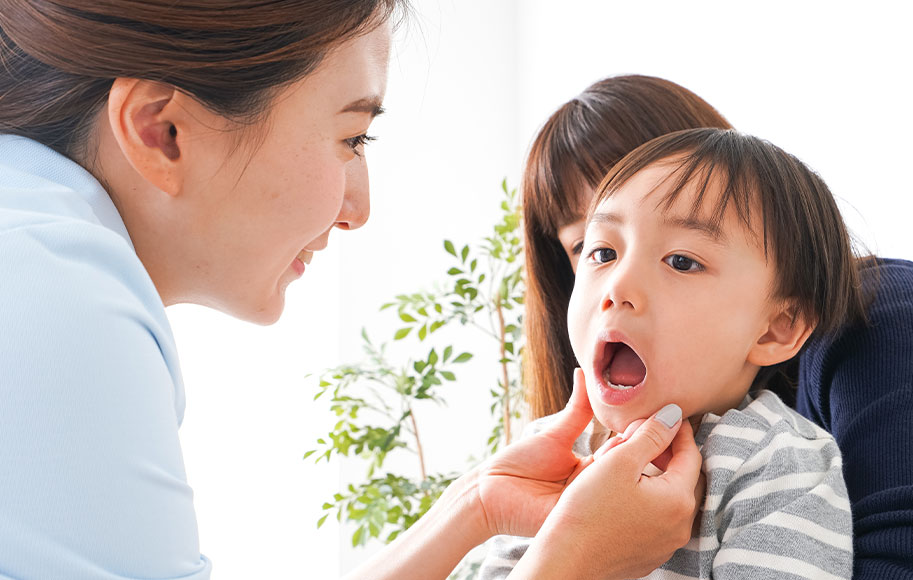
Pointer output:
x,y
713,169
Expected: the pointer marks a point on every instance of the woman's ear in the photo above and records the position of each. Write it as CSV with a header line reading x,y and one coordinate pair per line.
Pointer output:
x,y
148,124
783,337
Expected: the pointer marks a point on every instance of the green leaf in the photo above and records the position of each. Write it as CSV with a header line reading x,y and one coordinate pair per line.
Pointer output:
x,y
357,537
465,253
438,308
308,454
432,357
423,332
406,318
448,375
447,352
402,333
448,245
454,271
321,520
463,357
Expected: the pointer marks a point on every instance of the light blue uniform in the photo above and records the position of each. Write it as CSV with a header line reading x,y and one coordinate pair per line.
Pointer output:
x,y
92,481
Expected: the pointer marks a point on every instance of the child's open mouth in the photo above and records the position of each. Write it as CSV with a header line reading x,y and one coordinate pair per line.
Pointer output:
x,y
623,368
620,370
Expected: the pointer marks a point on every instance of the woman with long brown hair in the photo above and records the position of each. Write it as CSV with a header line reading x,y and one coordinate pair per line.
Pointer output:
x,y
156,152
857,382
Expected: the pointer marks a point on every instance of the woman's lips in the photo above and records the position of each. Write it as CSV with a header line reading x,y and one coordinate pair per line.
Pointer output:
x,y
303,257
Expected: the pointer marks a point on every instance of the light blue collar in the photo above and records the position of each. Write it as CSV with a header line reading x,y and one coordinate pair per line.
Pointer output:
x,y
26,165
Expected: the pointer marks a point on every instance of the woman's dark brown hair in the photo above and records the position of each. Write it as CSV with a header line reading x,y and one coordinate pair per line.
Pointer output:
x,y
570,155
787,206
59,58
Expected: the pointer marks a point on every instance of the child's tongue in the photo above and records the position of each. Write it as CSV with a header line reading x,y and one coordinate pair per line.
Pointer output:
x,y
626,368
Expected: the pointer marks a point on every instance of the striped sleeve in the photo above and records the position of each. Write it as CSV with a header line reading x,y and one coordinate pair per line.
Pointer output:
x,y
785,513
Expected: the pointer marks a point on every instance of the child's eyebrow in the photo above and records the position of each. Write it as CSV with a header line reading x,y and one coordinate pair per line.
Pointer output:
x,y
713,232
602,217
705,228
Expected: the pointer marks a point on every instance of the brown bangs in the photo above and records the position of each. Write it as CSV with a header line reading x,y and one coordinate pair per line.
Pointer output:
x,y
561,164
725,176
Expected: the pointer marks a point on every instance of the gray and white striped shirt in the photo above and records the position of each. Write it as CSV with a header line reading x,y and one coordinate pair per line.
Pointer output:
x,y
776,506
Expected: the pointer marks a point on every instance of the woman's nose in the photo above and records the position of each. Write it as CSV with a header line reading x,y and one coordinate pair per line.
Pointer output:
x,y
625,286
356,205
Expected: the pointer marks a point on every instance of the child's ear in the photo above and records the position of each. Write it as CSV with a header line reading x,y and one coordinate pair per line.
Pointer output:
x,y
783,337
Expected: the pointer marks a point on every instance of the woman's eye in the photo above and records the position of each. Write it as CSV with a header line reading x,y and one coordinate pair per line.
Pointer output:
x,y
603,255
683,263
357,143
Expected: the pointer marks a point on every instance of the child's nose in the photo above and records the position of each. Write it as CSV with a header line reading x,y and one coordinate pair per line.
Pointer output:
x,y
625,288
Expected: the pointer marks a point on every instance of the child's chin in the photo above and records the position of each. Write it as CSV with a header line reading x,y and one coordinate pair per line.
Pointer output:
x,y
614,421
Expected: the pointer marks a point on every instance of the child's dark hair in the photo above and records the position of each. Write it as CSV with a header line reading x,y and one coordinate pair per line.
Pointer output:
x,y
803,231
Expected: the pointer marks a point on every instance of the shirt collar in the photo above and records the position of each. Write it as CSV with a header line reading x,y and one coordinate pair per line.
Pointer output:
x,y
29,164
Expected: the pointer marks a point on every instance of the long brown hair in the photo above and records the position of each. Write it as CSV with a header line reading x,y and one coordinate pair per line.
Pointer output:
x,y
774,195
59,58
574,149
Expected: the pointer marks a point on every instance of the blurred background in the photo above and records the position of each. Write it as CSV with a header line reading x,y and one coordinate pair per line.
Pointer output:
x,y
470,83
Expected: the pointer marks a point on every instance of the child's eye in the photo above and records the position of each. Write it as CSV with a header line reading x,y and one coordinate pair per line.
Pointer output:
x,y
683,263
603,255
357,143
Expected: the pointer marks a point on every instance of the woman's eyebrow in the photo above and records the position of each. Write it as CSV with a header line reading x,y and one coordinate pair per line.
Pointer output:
x,y
371,105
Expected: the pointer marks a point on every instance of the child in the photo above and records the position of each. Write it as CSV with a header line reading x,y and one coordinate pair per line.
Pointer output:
x,y
709,259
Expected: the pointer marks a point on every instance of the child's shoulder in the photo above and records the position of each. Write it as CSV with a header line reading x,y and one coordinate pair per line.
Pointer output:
x,y
764,429
767,411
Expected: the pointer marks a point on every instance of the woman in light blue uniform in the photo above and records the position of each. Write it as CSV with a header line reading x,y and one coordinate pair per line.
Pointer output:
x,y
156,152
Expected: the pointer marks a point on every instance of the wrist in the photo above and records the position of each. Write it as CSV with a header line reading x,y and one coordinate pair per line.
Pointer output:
x,y
436,543
462,503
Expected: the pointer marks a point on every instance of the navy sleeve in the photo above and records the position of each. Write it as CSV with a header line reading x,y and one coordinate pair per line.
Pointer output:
x,y
858,385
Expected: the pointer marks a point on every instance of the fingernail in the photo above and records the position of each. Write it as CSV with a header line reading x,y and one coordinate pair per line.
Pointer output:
x,y
669,415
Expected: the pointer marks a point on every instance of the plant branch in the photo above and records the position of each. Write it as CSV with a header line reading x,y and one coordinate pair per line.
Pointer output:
x,y
418,444
503,335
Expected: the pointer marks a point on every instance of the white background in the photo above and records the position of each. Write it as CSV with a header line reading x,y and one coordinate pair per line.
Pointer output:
x,y
470,82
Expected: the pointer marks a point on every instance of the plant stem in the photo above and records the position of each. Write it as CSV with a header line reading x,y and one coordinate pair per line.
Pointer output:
x,y
418,444
503,337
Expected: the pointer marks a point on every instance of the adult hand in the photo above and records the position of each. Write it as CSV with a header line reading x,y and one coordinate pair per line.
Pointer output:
x,y
615,522
520,485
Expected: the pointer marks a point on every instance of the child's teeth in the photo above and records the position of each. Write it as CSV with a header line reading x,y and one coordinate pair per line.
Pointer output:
x,y
620,387
605,377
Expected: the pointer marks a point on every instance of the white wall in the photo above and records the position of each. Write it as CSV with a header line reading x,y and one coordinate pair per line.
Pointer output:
x,y
470,83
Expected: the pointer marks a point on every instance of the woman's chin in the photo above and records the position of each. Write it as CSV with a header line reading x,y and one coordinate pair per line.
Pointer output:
x,y
264,312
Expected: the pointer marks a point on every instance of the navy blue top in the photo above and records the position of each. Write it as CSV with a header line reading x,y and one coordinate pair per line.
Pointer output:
x,y
858,385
